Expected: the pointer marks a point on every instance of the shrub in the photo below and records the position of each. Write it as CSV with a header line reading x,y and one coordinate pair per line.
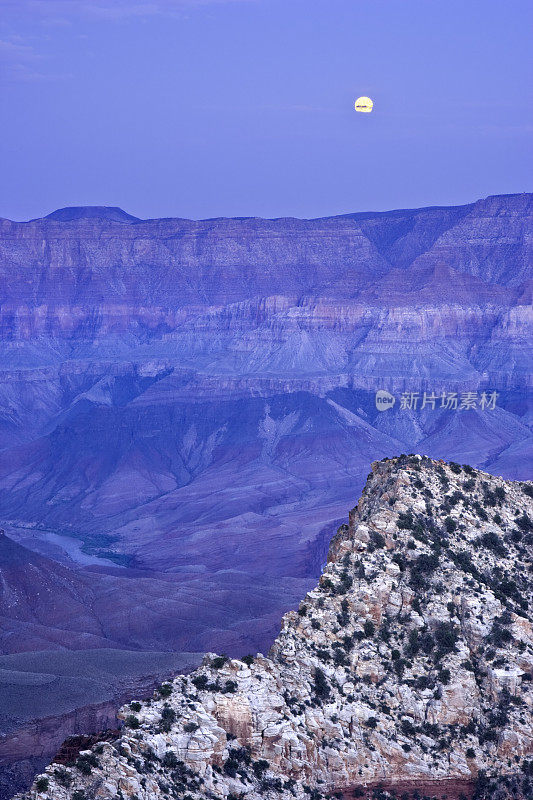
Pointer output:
x,y
230,687
260,767
423,682
454,498
271,785
200,681
249,659
427,563
489,497
170,759
463,560
231,765
400,560
347,643
219,661
426,641
408,729
86,762
399,666
499,634
377,539
487,735
42,784
131,721
63,777
79,794
339,657
493,542
414,645
482,514
344,584
241,755
165,690
322,689
343,618
190,727
369,628
371,723
446,636
509,588
168,717
527,489
450,524
444,676
456,468
524,523
135,706
499,491
405,521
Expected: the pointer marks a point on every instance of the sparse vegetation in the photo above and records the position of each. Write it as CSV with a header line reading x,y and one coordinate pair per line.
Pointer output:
x,y
322,689
219,661
410,606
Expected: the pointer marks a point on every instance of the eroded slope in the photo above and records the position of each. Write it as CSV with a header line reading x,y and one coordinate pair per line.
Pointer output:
x,y
411,660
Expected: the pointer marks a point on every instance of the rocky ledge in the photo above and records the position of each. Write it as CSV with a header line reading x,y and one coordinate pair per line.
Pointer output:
x,y
410,663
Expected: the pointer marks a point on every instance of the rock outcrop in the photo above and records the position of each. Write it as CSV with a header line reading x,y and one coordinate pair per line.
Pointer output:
x,y
410,662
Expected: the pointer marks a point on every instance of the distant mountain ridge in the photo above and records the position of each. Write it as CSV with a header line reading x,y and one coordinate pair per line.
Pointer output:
x,y
76,213
172,263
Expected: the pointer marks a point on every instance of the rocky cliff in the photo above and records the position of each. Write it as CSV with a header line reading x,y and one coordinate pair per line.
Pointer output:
x,y
410,664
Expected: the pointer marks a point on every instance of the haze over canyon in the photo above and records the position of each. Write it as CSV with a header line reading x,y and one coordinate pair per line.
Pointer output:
x,y
188,409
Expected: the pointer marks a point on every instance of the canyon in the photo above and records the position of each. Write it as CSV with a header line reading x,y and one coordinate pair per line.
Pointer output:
x,y
187,409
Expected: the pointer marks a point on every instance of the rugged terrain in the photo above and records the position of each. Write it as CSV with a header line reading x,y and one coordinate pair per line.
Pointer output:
x,y
410,664
187,408
75,693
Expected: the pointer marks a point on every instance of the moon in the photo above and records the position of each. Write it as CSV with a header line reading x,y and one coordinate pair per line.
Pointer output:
x,y
364,104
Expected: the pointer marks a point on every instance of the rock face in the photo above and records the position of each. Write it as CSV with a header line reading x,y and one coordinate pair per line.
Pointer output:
x,y
411,662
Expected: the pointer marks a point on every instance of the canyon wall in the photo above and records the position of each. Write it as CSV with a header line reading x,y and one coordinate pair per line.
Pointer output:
x,y
188,407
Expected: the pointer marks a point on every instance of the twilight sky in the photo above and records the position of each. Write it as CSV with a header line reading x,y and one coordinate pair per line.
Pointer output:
x,y
203,108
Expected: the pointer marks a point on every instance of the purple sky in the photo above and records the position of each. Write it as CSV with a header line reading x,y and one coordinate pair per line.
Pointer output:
x,y
242,108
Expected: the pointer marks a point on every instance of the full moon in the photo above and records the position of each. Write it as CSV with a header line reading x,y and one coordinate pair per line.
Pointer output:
x,y
364,104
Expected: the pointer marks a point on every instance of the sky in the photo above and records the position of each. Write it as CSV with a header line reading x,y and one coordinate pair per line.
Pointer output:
x,y
208,108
